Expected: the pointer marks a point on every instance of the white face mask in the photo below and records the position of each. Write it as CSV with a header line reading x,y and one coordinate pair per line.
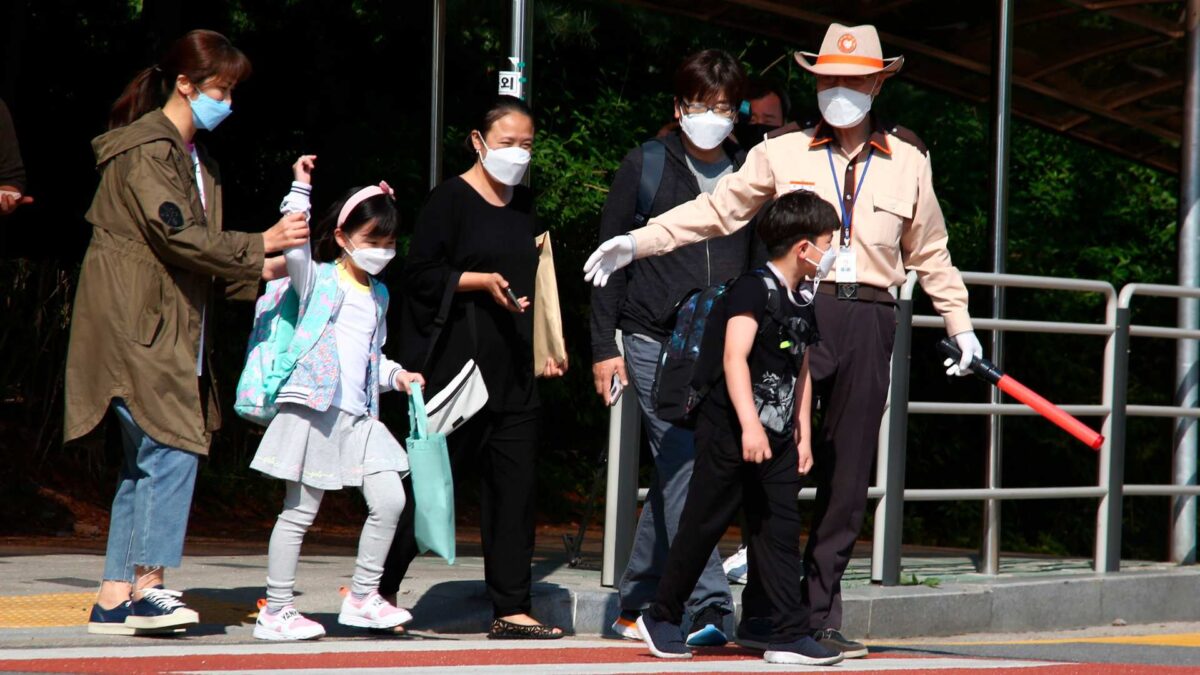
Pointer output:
x,y
828,258
707,130
371,260
507,165
843,107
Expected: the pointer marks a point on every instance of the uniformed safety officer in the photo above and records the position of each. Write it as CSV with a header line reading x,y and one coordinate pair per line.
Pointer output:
x,y
879,178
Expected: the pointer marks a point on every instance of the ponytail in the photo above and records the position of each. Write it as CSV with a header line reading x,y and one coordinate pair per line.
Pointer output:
x,y
145,93
198,56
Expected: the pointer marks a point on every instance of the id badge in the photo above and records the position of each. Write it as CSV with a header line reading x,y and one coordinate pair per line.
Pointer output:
x,y
846,267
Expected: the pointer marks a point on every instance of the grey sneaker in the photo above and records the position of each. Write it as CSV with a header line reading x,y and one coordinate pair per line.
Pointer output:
x,y
832,638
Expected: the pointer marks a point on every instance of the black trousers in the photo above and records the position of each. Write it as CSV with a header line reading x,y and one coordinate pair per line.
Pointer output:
x,y
721,484
850,371
502,447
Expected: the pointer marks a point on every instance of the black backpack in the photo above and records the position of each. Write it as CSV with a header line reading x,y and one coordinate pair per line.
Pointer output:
x,y
691,363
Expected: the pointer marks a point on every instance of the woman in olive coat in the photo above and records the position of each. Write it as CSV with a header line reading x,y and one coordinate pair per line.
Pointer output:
x,y
140,331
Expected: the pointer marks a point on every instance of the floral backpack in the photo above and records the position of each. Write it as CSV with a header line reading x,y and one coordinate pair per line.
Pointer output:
x,y
269,362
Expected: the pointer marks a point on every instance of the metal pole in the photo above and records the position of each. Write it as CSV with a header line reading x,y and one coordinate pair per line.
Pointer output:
x,y
620,502
437,93
882,462
893,496
1112,453
998,219
1183,509
522,44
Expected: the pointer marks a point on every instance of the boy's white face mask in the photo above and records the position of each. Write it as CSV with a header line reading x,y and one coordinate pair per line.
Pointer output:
x,y
828,257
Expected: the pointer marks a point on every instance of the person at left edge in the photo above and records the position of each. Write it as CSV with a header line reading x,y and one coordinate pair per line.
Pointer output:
x,y
140,329
12,169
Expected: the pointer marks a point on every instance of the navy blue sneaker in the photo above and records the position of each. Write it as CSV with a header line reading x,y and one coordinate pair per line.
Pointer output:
x,y
110,621
753,633
803,652
160,609
664,639
708,628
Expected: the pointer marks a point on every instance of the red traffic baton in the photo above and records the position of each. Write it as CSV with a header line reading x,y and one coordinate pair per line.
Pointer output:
x,y
988,372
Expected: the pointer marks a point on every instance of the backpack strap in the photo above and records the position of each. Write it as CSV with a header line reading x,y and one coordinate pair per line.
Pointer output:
x,y
654,158
775,304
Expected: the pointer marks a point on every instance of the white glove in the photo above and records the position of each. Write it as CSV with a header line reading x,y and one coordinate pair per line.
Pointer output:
x,y
610,257
969,344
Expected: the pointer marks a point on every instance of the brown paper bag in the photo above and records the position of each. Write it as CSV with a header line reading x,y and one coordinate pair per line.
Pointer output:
x,y
547,315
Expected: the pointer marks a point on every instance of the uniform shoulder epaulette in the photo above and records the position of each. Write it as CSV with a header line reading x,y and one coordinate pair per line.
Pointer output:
x,y
790,127
908,136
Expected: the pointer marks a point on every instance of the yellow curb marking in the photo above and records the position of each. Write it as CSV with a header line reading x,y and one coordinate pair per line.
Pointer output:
x,y
1158,640
50,610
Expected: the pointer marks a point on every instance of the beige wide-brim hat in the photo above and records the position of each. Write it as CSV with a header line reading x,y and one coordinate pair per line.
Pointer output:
x,y
849,50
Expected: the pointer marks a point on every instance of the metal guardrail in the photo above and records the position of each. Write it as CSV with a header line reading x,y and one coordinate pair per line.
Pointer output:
x,y
889,489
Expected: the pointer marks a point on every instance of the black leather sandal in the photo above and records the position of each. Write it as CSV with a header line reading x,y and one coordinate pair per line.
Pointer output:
x,y
507,630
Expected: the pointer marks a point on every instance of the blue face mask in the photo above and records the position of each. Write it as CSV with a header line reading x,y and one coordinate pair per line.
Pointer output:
x,y
208,112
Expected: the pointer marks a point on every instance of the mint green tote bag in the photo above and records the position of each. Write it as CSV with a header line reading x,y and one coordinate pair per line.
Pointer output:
x,y
433,484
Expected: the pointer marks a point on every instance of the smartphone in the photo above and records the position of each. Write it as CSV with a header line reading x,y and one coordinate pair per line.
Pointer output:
x,y
615,388
512,297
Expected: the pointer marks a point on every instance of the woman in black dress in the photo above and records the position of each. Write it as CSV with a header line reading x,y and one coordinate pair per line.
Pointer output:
x,y
474,242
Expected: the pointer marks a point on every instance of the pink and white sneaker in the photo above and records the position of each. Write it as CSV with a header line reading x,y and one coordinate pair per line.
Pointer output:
x,y
372,612
286,624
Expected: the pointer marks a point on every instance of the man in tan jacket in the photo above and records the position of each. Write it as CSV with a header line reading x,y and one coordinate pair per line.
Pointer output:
x,y
879,178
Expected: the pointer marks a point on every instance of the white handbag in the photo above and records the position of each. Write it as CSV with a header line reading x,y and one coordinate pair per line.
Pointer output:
x,y
458,401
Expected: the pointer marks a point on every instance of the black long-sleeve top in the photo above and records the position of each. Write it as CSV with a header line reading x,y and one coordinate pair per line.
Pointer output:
x,y
459,231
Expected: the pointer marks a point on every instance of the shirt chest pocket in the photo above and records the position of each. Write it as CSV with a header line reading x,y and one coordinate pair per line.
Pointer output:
x,y
888,215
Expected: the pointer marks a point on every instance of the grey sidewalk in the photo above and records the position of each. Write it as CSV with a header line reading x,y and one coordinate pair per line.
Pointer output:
x,y
948,597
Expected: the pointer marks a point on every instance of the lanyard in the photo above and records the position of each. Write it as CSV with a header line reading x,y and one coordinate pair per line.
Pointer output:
x,y
848,215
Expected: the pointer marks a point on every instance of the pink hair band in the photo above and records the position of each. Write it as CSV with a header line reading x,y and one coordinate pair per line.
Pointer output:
x,y
361,196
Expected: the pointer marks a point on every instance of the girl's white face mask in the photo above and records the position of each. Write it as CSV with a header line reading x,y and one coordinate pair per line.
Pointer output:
x,y
370,260
843,107
507,165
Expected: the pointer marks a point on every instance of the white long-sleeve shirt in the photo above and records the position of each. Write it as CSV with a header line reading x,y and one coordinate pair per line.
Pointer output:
x,y
354,324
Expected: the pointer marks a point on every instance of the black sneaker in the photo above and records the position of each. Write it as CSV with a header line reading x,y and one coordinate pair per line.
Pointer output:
x,y
803,652
664,639
832,638
708,628
753,633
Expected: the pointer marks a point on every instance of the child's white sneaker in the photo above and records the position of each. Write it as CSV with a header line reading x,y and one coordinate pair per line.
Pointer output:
x,y
286,624
372,612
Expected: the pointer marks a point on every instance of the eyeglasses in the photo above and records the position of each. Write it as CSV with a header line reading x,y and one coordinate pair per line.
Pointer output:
x,y
697,108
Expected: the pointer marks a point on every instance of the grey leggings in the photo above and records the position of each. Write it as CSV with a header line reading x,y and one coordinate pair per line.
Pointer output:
x,y
385,501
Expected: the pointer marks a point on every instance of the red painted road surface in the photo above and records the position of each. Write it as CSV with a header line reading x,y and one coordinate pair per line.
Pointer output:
x,y
572,656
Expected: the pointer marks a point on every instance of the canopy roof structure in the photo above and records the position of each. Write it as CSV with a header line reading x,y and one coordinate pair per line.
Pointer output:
x,y
1110,73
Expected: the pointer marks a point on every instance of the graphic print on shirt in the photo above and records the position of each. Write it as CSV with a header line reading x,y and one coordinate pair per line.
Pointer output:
x,y
773,398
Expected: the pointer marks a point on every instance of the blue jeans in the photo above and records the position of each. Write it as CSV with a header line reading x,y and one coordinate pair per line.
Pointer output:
x,y
154,497
674,453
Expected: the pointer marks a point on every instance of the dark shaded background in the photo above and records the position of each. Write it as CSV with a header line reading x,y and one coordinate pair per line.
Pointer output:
x,y
349,82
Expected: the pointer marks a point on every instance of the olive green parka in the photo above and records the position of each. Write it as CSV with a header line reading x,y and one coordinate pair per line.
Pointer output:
x,y
156,259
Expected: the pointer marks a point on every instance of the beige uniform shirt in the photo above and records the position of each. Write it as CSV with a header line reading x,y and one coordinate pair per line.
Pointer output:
x,y
897,223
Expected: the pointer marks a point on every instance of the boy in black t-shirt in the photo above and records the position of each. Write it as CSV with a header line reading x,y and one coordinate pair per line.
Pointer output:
x,y
754,437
